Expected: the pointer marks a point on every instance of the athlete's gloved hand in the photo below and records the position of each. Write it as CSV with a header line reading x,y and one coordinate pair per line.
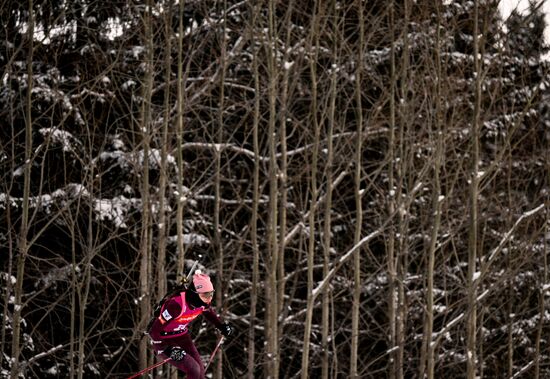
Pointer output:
x,y
225,329
175,353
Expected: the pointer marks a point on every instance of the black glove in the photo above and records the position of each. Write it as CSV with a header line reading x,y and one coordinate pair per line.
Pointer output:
x,y
175,353
225,329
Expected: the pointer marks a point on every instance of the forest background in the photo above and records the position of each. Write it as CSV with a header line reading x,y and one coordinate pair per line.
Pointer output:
x,y
366,181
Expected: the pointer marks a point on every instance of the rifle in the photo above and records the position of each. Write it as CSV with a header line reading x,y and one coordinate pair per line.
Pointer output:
x,y
177,289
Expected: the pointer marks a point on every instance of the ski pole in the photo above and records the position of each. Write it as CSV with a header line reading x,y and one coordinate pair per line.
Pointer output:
x,y
149,368
214,352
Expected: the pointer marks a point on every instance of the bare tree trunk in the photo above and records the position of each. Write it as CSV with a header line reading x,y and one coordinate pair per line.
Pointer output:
x,y
392,269
401,263
510,329
145,248
438,135
284,169
23,243
542,292
471,323
328,208
219,126
356,302
164,220
9,285
313,191
10,245
272,307
179,132
74,289
181,189
181,192
84,287
254,222
510,281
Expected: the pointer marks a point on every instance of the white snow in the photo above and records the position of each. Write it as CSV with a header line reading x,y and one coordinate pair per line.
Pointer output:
x,y
62,137
507,6
191,239
128,84
136,51
5,277
52,370
115,209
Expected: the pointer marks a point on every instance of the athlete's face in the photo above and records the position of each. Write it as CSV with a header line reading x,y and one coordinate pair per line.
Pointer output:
x,y
206,297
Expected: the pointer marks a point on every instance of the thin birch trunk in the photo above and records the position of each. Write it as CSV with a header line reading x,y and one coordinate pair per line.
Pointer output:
x,y
219,126
179,138
356,302
9,284
392,295
272,307
510,327
74,290
471,322
401,257
313,194
428,350
84,288
10,245
283,169
145,248
254,222
542,292
328,209
23,243
163,217
430,270
510,281
334,361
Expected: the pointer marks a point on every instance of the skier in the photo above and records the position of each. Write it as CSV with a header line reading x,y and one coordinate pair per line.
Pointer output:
x,y
169,329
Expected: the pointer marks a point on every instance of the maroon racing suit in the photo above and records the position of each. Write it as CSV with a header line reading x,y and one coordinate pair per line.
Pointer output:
x,y
170,329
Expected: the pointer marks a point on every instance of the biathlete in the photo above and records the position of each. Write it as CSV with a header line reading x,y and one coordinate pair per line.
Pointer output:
x,y
169,329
